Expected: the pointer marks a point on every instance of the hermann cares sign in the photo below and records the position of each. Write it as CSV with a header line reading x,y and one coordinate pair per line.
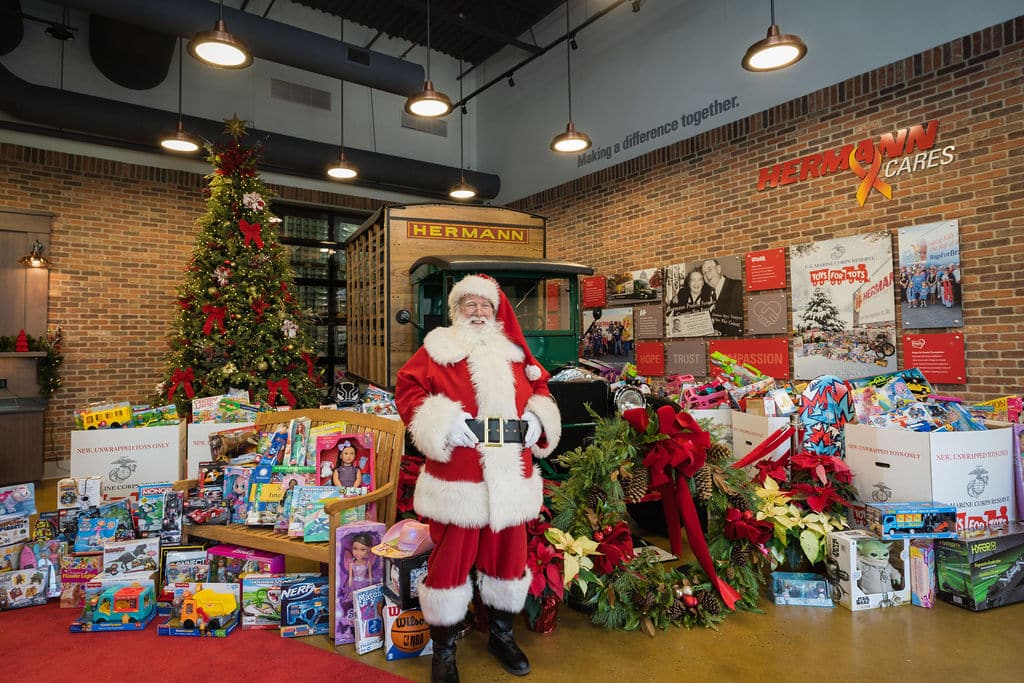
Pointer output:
x,y
872,161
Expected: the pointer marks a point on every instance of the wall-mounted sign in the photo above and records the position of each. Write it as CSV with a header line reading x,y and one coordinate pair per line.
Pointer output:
x,y
770,356
686,358
766,313
766,269
650,359
930,294
468,233
940,357
595,294
907,150
649,321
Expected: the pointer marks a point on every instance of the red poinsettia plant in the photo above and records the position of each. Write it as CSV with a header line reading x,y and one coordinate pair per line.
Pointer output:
x,y
544,561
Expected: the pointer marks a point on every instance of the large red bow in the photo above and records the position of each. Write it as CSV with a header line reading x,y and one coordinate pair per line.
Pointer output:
x,y
282,386
251,232
259,306
615,547
742,524
214,314
671,461
184,379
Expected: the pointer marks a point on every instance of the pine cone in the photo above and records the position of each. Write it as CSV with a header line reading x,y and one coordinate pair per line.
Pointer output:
x,y
719,452
644,601
739,502
740,555
676,610
709,603
594,496
703,484
634,488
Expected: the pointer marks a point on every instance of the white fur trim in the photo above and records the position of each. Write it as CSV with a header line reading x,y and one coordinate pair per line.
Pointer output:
x,y
532,373
447,346
429,426
444,606
493,383
474,284
512,498
550,419
462,503
507,595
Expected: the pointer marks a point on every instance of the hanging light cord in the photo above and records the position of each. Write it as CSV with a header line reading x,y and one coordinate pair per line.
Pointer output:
x,y
181,48
341,97
568,59
773,12
462,137
428,41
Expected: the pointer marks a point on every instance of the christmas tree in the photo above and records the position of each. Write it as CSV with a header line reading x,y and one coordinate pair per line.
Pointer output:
x,y
821,313
238,325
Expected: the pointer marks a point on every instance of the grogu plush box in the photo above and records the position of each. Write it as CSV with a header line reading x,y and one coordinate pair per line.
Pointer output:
x,y
866,572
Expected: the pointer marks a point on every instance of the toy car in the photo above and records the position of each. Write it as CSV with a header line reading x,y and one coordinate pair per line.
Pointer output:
x,y
207,609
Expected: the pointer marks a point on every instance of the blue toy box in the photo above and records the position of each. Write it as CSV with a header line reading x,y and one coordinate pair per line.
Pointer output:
x,y
801,588
926,519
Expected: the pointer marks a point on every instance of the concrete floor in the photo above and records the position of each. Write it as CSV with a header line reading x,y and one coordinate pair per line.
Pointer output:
x,y
945,644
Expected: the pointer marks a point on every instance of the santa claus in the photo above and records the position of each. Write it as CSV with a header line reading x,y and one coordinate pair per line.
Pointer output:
x,y
477,405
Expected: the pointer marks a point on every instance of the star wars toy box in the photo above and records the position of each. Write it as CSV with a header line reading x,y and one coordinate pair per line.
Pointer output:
x,y
406,633
972,471
229,562
865,571
910,520
800,588
982,569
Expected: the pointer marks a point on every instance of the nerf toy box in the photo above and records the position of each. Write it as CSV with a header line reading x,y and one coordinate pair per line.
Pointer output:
x,y
982,569
800,588
305,607
865,571
911,520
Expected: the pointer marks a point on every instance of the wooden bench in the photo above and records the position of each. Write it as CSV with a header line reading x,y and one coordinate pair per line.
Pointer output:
x,y
389,442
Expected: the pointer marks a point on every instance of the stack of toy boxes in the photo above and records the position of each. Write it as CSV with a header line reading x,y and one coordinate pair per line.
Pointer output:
x,y
22,583
866,571
982,569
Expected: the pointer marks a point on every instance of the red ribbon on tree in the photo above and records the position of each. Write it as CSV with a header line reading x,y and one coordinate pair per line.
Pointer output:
x,y
671,462
280,385
259,306
251,232
310,369
182,378
214,314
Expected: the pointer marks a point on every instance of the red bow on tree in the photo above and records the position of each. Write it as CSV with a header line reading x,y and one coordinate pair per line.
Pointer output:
x,y
672,461
214,314
184,379
251,232
282,386
259,306
742,524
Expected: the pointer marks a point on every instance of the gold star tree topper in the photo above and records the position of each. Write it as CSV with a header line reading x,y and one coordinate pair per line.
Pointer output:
x,y
235,127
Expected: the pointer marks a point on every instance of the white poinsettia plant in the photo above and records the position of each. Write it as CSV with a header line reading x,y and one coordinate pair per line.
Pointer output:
x,y
795,526
577,564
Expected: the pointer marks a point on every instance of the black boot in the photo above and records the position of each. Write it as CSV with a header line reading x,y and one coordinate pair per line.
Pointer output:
x,y
442,666
502,644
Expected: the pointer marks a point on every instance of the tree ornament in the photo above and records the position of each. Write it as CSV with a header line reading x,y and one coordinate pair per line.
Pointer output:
x,y
289,329
228,369
251,232
262,366
222,274
253,201
235,127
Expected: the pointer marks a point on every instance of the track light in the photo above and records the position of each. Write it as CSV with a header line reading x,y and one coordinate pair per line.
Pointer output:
x,y
219,48
776,51
428,103
571,140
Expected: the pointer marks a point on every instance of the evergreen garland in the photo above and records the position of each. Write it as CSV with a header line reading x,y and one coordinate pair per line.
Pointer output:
x,y
47,367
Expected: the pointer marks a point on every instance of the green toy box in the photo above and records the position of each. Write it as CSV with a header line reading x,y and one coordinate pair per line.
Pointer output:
x,y
983,569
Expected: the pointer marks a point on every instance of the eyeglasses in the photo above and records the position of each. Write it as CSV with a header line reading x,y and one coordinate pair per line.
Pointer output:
x,y
471,306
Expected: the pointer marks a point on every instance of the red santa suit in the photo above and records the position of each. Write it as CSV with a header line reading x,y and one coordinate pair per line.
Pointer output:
x,y
477,499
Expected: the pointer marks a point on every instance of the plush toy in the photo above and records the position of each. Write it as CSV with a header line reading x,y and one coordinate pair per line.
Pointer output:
x,y
876,574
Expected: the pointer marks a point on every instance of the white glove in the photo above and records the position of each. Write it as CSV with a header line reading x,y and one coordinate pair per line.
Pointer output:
x,y
533,429
459,434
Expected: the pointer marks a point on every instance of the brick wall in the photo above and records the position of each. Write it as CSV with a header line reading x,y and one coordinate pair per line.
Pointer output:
x,y
122,234
699,198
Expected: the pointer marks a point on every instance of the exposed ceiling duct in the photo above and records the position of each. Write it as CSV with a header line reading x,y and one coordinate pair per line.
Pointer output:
x,y
267,39
102,121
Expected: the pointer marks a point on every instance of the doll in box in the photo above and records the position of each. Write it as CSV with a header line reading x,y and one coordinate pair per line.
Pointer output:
x,y
356,569
877,575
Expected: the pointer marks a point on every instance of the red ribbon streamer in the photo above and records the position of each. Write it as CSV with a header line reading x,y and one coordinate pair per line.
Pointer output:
x,y
214,314
309,365
251,232
184,379
766,447
671,462
282,386
869,177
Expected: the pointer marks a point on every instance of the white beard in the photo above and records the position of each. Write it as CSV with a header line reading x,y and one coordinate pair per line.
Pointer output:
x,y
477,331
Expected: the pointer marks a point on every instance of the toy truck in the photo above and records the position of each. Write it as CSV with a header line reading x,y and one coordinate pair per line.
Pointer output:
x,y
207,609
123,604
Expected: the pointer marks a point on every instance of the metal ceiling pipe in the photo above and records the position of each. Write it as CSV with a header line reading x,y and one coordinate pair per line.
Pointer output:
x,y
107,121
269,40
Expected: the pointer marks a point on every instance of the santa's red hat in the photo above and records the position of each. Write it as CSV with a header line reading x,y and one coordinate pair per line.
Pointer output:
x,y
488,288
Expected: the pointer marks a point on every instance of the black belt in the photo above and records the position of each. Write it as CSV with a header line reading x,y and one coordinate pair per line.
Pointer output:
x,y
494,431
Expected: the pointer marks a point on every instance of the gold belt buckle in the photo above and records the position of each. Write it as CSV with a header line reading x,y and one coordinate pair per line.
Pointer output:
x,y
487,432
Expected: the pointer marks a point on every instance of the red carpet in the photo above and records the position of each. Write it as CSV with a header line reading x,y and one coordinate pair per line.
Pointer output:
x,y
37,646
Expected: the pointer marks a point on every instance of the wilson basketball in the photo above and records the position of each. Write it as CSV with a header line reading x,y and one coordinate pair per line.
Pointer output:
x,y
409,632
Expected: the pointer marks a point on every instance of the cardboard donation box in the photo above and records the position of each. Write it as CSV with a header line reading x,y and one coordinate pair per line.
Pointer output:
x,y
199,442
125,458
750,430
970,470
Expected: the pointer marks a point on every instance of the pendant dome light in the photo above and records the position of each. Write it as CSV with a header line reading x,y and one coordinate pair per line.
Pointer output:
x,y
342,169
428,103
571,140
219,48
774,52
179,140
463,190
